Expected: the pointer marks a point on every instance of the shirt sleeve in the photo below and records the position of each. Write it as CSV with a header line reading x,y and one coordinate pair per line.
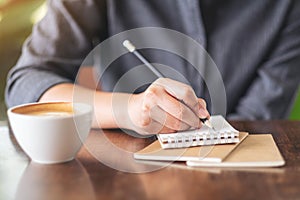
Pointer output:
x,y
54,51
272,93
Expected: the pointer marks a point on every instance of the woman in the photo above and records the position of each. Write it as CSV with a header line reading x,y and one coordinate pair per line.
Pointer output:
x,y
255,45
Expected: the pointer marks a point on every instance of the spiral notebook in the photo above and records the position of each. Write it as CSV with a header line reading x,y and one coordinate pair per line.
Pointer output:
x,y
223,133
213,153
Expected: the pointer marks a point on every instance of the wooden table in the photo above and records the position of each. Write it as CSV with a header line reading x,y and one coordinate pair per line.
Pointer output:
x,y
88,178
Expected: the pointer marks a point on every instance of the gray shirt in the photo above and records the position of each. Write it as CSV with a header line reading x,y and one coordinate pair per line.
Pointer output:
x,y
255,45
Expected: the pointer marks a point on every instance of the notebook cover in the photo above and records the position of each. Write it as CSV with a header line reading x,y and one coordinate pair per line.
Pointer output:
x,y
257,150
211,153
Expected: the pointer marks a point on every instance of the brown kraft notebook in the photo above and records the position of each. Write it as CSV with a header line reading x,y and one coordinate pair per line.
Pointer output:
x,y
257,150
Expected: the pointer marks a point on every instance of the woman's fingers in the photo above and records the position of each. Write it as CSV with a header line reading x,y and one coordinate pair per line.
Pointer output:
x,y
179,91
167,106
157,96
203,113
167,120
154,128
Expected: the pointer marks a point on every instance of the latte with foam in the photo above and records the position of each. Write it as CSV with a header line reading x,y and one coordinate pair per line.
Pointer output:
x,y
47,110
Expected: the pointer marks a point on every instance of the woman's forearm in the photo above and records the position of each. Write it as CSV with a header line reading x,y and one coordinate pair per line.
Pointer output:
x,y
109,108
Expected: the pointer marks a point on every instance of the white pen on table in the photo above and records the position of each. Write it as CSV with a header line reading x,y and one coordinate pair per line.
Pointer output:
x,y
132,49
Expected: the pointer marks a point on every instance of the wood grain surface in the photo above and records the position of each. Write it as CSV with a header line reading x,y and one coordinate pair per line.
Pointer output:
x,y
105,169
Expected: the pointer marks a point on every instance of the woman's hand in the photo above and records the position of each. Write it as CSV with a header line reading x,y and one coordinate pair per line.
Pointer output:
x,y
166,106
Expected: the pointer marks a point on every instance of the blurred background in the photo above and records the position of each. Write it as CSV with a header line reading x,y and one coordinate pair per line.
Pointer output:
x,y
16,20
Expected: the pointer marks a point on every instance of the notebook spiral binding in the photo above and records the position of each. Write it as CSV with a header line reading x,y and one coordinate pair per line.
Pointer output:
x,y
201,139
223,133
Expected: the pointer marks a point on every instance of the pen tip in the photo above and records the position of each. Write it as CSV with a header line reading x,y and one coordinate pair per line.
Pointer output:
x,y
208,124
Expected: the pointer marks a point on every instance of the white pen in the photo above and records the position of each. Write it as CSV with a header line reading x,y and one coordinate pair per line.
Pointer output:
x,y
132,49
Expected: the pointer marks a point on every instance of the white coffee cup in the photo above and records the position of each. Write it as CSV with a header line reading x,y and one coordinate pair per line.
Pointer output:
x,y
51,132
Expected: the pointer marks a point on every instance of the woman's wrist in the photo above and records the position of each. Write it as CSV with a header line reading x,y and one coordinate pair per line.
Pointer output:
x,y
111,110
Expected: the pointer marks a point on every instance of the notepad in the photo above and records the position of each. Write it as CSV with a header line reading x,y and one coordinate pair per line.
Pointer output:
x,y
224,133
213,153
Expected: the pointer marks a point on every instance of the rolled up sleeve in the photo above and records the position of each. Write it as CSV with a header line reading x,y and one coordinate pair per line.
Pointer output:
x,y
54,51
